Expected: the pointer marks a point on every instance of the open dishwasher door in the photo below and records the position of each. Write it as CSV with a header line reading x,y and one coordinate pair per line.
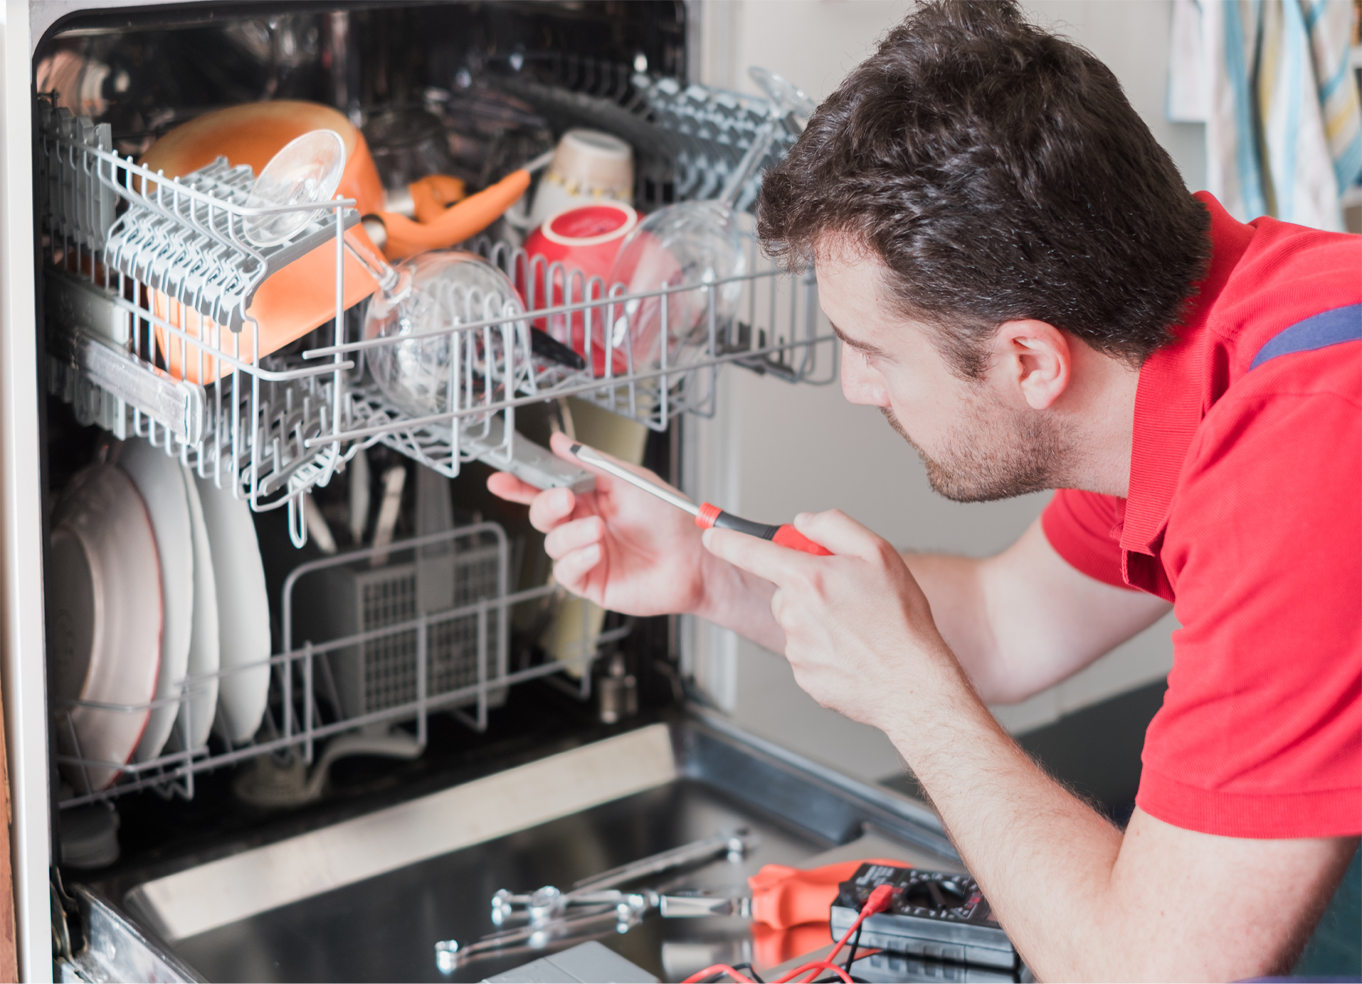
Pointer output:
x,y
421,719
369,897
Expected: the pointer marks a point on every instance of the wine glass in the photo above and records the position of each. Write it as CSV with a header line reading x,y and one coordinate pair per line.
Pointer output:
x,y
308,169
694,243
424,376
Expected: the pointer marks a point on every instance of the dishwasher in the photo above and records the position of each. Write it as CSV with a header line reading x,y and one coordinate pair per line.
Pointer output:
x,y
383,724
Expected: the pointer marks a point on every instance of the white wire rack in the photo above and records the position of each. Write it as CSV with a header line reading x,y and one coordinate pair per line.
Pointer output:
x,y
144,308
150,332
394,657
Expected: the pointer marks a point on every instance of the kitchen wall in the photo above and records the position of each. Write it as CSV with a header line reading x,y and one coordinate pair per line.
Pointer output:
x,y
776,449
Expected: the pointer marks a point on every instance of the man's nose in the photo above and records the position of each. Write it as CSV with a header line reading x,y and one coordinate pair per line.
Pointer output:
x,y
862,384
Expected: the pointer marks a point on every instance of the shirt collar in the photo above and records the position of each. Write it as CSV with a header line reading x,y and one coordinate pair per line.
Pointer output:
x,y
1170,399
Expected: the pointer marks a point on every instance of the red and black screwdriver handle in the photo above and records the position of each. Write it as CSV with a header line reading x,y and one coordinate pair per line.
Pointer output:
x,y
785,535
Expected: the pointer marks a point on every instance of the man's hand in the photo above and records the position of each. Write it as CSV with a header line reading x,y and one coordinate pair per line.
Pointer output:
x,y
1080,899
617,546
858,629
630,552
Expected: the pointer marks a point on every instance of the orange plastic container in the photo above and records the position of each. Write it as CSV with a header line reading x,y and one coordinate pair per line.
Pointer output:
x,y
287,306
252,133
302,295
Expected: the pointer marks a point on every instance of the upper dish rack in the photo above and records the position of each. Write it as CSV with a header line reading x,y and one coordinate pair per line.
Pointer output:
x,y
150,327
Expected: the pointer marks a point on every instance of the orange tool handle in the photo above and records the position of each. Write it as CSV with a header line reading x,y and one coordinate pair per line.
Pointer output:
x,y
783,896
786,535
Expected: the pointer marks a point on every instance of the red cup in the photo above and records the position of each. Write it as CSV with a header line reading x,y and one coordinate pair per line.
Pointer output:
x,y
584,240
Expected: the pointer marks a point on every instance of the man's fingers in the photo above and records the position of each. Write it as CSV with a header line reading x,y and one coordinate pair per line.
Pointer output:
x,y
506,486
571,569
551,507
579,533
753,554
562,445
839,533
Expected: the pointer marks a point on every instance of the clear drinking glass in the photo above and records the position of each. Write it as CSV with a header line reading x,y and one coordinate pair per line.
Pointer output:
x,y
693,243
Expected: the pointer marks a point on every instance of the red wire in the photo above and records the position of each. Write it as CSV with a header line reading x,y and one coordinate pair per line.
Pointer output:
x,y
821,966
879,900
717,968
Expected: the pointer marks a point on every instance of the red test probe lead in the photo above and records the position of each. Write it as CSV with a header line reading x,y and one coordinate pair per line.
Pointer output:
x,y
879,900
715,969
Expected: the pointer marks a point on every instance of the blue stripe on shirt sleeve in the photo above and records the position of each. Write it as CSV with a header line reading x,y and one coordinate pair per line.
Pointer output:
x,y
1319,331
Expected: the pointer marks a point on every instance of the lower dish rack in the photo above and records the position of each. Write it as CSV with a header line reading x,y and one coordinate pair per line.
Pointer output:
x,y
381,636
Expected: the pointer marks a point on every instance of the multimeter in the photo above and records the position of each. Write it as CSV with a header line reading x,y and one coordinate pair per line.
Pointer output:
x,y
935,914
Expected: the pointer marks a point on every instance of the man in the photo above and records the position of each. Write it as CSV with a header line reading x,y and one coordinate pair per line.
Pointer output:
x,y
1033,299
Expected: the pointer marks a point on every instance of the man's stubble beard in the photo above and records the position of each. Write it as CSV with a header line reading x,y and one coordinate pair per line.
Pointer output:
x,y
995,453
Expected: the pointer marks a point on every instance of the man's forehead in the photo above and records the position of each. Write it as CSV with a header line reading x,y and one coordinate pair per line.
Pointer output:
x,y
851,292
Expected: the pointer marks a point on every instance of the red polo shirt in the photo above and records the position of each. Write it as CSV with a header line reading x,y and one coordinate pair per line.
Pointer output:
x,y
1245,511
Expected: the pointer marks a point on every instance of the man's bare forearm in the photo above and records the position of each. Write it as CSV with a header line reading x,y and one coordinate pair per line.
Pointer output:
x,y
1024,619
954,589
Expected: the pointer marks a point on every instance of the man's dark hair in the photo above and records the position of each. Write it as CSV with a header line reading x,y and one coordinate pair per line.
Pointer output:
x,y
1000,173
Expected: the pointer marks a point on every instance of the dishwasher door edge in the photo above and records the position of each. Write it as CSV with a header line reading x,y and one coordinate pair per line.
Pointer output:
x,y
712,748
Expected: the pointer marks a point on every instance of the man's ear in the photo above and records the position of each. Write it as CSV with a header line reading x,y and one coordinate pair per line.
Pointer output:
x,y
1035,360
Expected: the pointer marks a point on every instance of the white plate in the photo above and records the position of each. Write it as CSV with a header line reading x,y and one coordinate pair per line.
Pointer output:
x,y
202,703
243,611
105,610
161,483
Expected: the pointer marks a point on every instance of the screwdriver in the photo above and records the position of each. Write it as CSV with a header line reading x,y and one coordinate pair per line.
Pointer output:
x,y
706,515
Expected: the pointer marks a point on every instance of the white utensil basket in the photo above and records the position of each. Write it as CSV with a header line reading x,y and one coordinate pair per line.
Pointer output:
x,y
123,247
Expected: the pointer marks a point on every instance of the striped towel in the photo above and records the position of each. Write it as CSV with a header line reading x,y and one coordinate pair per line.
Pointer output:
x,y
1272,82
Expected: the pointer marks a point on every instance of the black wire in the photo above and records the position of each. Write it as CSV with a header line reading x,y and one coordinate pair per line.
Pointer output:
x,y
856,942
751,971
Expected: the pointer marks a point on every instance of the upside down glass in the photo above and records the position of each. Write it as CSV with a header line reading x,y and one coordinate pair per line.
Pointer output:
x,y
425,376
693,243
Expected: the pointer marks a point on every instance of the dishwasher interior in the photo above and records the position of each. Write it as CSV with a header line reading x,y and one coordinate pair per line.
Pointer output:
x,y
388,711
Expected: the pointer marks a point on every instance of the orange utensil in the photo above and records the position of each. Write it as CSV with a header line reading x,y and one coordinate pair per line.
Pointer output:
x,y
457,223
433,194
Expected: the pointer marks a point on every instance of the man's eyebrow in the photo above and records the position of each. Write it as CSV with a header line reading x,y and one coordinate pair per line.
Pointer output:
x,y
865,347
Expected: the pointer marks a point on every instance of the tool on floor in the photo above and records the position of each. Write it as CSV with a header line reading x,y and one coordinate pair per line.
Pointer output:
x,y
706,514
549,902
591,903
777,895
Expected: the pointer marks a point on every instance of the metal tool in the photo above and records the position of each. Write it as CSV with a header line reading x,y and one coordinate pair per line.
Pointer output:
x,y
549,902
706,514
706,902
594,902
586,921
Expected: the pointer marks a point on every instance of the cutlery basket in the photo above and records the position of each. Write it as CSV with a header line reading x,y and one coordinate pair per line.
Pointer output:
x,y
384,670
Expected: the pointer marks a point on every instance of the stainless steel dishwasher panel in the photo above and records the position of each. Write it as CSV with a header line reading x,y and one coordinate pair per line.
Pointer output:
x,y
368,898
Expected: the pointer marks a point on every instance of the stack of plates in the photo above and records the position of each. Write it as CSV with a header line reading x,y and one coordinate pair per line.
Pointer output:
x,y
157,605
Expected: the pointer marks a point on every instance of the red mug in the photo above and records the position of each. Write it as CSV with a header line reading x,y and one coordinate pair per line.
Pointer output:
x,y
584,240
